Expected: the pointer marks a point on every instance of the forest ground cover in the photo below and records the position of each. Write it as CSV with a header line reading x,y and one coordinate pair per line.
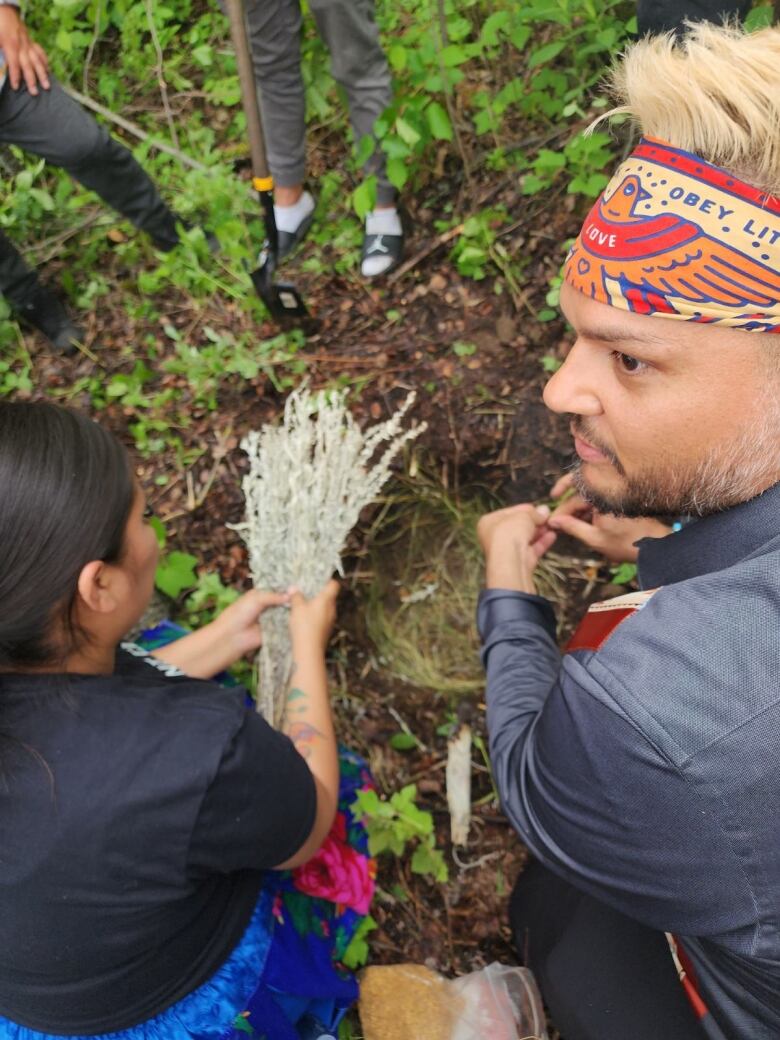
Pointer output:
x,y
484,143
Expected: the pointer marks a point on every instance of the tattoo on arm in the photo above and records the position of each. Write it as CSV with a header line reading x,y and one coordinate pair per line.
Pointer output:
x,y
303,735
297,703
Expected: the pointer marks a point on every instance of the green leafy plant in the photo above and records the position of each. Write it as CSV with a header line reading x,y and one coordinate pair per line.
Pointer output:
x,y
356,954
624,573
176,573
394,823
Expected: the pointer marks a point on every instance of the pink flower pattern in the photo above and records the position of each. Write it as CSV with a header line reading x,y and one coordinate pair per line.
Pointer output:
x,y
337,872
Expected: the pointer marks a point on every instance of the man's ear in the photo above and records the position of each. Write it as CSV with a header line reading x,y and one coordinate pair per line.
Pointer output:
x,y
95,587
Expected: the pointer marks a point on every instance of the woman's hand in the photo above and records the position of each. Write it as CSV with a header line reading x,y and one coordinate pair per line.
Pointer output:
x,y
239,624
513,541
218,645
612,536
312,620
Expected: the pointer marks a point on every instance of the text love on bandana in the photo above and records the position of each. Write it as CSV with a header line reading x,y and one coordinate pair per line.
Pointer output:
x,y
676,237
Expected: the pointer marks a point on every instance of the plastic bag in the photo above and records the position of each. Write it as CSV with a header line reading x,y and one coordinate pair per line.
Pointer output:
x,y
410,1002
498,1002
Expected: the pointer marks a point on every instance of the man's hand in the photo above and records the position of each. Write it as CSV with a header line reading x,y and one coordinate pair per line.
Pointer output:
x,y
611,536
25,59
513,541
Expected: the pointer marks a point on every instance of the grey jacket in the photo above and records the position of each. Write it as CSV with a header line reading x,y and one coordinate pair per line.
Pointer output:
x,y
644,764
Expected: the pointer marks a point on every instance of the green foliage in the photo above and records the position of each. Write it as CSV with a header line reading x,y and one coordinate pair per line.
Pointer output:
x,y
550,363
175,573
208,598
474,247
582,160
450,57
506,87
356,954
404,741
624,573
395,823
15,365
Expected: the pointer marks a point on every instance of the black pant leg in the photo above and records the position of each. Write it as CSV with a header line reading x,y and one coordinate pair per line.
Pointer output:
x,y
17,280
656,16
603,976
53,126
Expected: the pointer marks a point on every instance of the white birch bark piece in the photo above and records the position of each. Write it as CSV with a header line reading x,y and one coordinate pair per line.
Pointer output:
x,y
459,785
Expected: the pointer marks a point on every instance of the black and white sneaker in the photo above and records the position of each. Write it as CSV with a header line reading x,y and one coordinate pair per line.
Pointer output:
x,y
293,223
383,243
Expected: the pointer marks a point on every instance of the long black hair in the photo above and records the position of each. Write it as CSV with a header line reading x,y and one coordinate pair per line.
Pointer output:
x,y
66,491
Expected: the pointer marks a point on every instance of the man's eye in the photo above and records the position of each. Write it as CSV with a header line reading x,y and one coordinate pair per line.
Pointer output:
x,y
627,362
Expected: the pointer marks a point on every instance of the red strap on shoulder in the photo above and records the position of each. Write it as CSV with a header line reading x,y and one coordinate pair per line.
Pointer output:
x,y
603,618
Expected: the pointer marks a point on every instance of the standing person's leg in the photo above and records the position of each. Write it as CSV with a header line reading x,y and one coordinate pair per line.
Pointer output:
x,y
360,66
32,301
53,126
274,28
602,975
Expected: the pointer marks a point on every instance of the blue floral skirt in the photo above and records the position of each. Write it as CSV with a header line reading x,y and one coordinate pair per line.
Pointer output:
x,y
289,962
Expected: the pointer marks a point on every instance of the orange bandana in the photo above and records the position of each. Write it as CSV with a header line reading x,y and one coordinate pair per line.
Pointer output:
x,y
676,237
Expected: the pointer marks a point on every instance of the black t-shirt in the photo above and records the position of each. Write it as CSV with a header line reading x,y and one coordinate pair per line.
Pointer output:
x,y
137,812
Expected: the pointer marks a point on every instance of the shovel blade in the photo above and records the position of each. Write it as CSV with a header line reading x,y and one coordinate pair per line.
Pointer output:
x,y
282,299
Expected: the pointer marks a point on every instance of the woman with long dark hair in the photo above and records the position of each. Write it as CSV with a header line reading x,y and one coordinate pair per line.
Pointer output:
x,y
141,805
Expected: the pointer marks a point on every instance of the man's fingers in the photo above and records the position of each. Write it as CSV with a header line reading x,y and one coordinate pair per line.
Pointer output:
x,y
579,529
573,506
543,542
29,72
40,65
527,511
14,71
562,485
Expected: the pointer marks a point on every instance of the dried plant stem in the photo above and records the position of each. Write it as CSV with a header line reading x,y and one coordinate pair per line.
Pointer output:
x,y
309,479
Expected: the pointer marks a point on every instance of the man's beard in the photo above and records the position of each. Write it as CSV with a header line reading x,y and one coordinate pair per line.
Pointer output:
x,y
727,475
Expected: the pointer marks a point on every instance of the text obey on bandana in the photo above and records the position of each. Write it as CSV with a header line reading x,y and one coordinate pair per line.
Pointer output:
x,y
676,237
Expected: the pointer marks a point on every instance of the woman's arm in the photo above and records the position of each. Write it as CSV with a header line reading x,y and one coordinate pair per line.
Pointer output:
x,y
308,721
225,640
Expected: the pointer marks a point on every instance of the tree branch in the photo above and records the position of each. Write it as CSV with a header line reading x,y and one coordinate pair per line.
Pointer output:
x,y
133,128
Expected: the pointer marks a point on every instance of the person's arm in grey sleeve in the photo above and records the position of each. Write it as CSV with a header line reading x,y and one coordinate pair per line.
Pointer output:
x,y
589,792
521,661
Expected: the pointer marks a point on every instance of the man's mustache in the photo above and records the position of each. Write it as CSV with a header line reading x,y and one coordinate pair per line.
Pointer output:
x,y
584,430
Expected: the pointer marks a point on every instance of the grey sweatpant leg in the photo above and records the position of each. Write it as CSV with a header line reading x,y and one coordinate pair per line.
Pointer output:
x,y
358,65
53,126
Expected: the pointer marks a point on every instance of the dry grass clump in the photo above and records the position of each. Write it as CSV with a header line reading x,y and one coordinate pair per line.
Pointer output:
x,y
427,572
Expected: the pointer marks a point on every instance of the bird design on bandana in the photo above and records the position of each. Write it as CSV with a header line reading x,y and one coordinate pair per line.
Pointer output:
x,y
632,254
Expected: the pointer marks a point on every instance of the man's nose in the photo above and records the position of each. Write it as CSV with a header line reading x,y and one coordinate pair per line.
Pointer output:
x,y
571,388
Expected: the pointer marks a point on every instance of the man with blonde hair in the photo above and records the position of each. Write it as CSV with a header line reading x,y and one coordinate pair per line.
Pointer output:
x,y
642,767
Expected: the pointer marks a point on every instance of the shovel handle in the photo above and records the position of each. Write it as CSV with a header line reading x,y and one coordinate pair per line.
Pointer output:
x,y
261,177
